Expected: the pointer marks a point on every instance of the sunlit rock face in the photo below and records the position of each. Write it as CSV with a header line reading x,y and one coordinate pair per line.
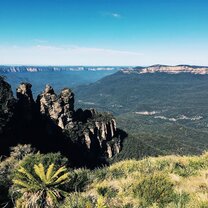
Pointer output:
x,y
59,108
176,69
169,69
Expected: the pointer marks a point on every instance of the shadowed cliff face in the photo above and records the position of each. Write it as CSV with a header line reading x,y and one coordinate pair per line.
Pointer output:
x,y
51,124
7,105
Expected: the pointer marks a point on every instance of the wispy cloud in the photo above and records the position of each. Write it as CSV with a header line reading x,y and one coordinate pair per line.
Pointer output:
x,y
45,54
73,55
112,14
116,15
40,40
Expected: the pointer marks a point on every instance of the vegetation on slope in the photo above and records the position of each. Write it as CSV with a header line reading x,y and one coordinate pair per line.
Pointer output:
x,y
165,181
178,103
148,136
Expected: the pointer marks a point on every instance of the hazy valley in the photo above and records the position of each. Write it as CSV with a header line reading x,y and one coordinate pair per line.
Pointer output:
x,y
163,109
103,104
110,117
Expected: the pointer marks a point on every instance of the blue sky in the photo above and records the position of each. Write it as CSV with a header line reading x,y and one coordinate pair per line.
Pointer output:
x,y
103,32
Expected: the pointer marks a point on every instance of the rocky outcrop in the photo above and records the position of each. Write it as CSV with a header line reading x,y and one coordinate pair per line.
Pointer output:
x,y
25,102
94,130
59,108
97,132
51,124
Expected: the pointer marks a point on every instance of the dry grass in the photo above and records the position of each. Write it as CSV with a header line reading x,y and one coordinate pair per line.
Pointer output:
x,y
188,174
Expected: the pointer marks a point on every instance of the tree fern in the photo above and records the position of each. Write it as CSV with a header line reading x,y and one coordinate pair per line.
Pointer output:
x,y
41,188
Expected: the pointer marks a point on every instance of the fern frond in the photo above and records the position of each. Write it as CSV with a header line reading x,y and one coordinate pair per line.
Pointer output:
x,y
21,183
40,172
26,173
49,172
60,170
62,178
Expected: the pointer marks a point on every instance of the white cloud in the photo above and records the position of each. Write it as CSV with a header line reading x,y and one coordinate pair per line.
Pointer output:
x,y
53,55
112,14
116,15
43,54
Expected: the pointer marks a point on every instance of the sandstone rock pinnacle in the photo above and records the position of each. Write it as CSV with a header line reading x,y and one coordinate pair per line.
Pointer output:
x,y
59,108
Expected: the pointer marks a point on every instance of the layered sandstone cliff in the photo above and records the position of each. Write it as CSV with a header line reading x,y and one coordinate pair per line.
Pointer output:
x,y
169,69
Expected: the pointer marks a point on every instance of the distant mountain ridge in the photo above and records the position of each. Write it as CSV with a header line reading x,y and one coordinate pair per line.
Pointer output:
x,y
169,69
126,69
7,69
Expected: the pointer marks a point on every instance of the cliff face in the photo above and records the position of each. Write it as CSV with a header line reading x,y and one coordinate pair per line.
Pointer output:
x,y
94,130
6,69
170,69
51,123
59,108
25,102
7,103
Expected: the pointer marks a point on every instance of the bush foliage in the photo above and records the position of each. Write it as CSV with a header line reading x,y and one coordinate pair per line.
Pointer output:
x,y
154,182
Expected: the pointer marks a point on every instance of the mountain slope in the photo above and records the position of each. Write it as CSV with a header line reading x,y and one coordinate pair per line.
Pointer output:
x,y
123,92
162,113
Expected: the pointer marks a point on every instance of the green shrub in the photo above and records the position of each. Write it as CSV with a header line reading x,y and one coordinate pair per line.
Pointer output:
x,y
100,174
162,165
183,170
76,200
198,163
7,166
155,188
123,168
79,179
203,205
106,191
40,188
21,150
46,159
117,173
180,200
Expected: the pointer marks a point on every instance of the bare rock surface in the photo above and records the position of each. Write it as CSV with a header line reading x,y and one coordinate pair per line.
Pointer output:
x,y
59,108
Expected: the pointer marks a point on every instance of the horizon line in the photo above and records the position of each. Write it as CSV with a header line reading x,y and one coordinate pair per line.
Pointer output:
x,y
48,65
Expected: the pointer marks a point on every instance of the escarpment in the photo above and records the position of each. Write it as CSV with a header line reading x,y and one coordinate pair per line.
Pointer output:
x,y
52,124
7,103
